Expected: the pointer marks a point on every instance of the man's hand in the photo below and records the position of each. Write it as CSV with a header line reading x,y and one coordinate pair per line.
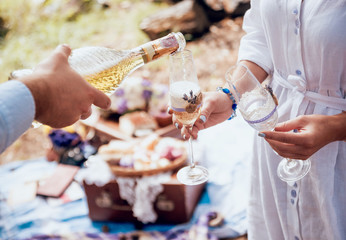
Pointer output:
x,y
61,95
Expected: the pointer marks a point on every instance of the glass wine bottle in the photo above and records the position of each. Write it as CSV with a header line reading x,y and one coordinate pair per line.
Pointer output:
x,y
106,68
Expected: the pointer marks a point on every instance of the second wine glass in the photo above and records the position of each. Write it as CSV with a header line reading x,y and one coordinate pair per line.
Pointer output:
x,y
258,107
185,101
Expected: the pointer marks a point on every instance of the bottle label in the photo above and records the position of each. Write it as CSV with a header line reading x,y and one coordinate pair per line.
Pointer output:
x,y
156,49
149,51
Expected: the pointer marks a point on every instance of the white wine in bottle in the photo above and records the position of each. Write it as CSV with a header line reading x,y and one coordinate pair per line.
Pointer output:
x,y
106,68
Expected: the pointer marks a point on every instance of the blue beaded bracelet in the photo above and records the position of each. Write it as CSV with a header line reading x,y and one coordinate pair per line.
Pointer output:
x,y
234,105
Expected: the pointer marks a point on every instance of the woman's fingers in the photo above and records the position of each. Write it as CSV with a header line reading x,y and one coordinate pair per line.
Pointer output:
x,y
216,108
289,144
290,125
185,133
285,137
289,150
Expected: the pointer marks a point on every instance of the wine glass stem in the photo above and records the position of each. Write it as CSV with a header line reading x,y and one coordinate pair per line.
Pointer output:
x,y
192,159
291,162
192,165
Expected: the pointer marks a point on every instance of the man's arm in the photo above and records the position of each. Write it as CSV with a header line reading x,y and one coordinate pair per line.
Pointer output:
x,y
54,94
14,95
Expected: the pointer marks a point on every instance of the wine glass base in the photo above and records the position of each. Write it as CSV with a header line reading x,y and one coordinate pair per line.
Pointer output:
x,y
192,175
293,170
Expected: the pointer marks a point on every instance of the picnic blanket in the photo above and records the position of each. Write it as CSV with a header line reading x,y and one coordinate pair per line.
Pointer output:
x,y
223,149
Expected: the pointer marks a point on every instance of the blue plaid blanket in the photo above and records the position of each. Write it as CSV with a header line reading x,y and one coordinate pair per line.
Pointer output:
x,y
226,158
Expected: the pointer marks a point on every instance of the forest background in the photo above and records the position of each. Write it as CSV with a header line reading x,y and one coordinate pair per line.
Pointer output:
x,y
31,29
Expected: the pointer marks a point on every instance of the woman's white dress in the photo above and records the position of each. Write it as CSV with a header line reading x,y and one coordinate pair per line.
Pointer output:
x,y
302,44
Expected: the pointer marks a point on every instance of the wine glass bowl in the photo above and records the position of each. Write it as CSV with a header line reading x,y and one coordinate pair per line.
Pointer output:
x,y
258,107
185,102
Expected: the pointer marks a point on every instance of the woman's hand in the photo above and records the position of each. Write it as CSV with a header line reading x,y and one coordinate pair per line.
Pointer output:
x,y
314,132
216,108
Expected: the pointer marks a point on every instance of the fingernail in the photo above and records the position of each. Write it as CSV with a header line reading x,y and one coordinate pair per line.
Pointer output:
x,y
203,118
261,135
184,136
176,125
108,104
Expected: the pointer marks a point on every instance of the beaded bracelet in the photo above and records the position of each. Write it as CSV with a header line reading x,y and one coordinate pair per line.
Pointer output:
x,y
234,105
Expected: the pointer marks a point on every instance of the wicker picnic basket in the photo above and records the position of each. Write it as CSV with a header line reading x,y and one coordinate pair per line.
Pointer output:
x,y
130,172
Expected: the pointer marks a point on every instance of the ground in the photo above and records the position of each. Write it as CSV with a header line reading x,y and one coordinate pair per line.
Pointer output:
x,y
214,53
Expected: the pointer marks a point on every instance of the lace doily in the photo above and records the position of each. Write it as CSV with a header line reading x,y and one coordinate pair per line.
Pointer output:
x,y
141,194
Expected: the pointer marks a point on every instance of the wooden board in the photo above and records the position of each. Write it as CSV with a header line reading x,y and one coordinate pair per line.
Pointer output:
x,y
110,129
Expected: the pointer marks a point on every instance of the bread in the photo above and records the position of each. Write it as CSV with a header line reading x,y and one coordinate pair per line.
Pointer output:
x,y
117,147
137,124
114,151
149,142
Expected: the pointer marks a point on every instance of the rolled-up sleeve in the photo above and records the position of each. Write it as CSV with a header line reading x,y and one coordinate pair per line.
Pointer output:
x,y
253,45
17,111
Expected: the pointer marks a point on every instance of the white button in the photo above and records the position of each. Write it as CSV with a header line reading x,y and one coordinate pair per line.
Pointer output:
x,y
297,22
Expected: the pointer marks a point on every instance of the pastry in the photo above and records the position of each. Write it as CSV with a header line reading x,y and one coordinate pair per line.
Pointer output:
x,y
137,124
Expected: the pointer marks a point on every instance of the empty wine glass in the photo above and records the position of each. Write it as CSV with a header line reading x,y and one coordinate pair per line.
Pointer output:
x,y
185,101
258,107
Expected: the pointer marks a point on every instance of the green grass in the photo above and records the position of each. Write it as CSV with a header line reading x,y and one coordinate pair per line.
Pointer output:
x,y
37,27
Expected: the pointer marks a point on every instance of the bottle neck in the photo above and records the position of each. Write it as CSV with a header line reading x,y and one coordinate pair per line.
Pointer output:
x,y
162,46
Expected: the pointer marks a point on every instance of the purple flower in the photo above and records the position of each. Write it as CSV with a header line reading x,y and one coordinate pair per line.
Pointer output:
x,y
146,83
122,106
147,94
61,138
119,92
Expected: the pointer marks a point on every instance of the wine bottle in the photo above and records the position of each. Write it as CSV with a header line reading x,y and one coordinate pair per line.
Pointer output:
x,y
106,68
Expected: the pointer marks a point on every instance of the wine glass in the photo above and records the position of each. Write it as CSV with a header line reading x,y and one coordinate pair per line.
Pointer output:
x,y
185,101
258,107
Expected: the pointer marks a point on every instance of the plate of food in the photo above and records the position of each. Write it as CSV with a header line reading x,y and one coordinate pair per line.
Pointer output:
x,y
141,157
138,109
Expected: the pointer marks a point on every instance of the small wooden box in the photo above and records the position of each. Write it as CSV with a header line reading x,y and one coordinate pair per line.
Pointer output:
x,y
174,205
